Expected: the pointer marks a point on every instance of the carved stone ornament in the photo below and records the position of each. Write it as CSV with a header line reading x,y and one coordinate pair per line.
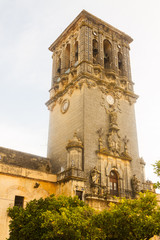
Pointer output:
x,y
110,87
100,133
125,154
95,176
2,156
65,106
125,140
114,143
75,142
112,106
113,117
142,161
135,184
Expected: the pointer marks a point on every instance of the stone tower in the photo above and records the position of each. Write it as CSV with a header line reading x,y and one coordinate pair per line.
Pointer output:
x,y
92,131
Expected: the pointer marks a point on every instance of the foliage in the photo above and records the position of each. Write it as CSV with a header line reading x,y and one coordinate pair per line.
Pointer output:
x,y
131,219
53,218
66,218
157,171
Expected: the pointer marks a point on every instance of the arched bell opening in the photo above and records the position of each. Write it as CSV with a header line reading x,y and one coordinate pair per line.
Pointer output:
x,y
59,66
76,51
120,63
107,47
67,57
95,51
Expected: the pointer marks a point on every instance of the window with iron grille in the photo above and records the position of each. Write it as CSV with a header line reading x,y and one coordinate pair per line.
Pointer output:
x,y
19,200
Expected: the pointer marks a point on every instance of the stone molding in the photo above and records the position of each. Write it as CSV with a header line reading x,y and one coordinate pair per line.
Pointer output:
x,y
92,82
87,19
27,173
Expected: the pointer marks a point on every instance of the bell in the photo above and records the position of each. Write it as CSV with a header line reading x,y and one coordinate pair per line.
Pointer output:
x,y
95,50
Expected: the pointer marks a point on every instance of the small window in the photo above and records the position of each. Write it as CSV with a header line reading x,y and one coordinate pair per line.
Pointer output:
x,y
19,200
79,194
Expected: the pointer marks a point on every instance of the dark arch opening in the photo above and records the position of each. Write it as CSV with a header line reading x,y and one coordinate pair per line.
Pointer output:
x,y
59,65
107,54
95,51
67,57
120,61
76,51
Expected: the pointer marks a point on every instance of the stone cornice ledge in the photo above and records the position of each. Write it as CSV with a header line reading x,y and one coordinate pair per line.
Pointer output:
x,y
27,173
95,80
123,156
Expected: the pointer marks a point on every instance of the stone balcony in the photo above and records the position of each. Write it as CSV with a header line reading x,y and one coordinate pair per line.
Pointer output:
x,y
71,173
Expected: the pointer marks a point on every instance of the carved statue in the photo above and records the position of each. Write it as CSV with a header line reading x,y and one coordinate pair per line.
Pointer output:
x,y
95,176
100,133
113,117
125,140
135,184
114,144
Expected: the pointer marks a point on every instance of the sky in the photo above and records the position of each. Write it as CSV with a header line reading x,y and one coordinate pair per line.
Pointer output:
x,y
27,29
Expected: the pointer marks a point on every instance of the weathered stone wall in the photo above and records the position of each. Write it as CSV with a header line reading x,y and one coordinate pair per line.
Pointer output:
x,y
17,181
62,128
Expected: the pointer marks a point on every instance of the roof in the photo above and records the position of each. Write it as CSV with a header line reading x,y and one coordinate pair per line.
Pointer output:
x,y
84,14
25,160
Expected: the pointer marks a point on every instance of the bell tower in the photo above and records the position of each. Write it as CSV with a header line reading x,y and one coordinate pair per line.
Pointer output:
x,y
92,139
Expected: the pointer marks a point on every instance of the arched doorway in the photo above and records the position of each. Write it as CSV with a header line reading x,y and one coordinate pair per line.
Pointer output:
x,y
113,183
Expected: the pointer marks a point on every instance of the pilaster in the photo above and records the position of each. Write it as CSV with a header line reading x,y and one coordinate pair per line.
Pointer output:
x,y
63,59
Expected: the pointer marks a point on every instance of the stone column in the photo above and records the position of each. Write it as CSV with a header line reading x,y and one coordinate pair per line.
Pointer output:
x,y
114,55
128,64
63,59
100,49
72,51
53,68
89,40
82,43
124,60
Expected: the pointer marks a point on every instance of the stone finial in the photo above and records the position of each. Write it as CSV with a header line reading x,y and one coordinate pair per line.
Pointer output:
x,y
75,142
142,161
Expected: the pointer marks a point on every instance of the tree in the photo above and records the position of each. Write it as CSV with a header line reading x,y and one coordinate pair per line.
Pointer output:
x,y
66,218
53,218
157,171
131,219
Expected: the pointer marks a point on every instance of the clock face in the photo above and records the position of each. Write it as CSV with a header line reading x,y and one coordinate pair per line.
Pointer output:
x,y
94,33
110,99
65,106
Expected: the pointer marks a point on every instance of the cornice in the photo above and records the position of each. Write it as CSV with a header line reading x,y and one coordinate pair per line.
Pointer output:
x,y
84,15
93,81
123,156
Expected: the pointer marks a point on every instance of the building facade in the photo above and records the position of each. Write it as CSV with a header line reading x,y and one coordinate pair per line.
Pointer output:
x,y
92,117
92,142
